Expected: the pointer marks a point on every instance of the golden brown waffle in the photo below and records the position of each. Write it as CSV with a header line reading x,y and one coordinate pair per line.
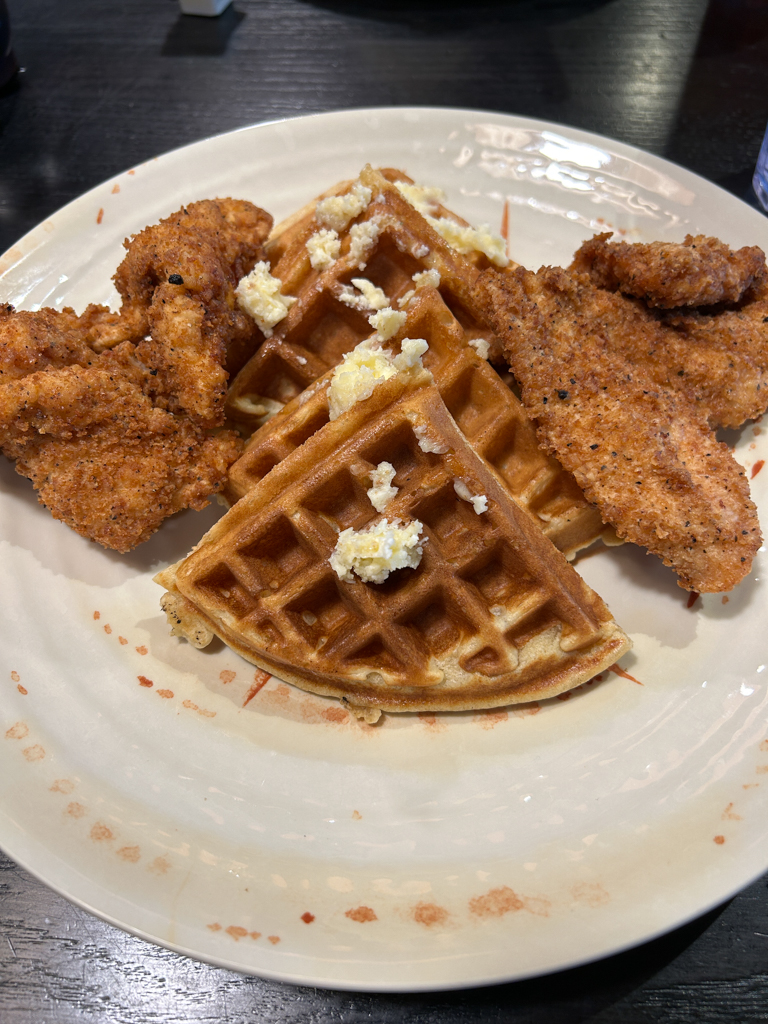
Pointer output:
x,y
320,328
302,223
489,415
492,615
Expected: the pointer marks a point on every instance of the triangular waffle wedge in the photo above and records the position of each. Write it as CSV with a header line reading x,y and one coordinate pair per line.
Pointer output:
x,y
284,234
492,614
320,327
489,415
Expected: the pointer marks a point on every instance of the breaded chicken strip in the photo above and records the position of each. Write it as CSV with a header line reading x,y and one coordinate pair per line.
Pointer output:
x,y
700,271
49,337
718,360
234,228
642,453
729,347
110,414
177,284
103,458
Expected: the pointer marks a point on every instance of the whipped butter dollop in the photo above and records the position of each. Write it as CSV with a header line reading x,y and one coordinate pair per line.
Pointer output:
x,y
367,366
337,211
462,239
259,294
376,551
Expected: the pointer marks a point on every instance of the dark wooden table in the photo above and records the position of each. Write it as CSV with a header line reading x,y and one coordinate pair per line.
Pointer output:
x,y
106,85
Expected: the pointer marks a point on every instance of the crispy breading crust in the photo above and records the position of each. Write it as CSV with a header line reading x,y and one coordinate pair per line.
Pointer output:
x,y
177,283
32,341
700,271
716,359
104,459
115,426
642,453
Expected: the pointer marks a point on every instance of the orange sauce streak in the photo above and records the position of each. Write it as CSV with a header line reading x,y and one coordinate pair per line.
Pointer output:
x,y
505,225
756,468
623,674
260,679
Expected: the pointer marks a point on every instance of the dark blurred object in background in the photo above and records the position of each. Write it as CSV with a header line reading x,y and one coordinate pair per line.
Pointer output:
x,y
8,64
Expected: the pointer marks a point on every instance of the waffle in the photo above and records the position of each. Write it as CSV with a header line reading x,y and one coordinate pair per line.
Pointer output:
x,y
489,415
493,614
320,328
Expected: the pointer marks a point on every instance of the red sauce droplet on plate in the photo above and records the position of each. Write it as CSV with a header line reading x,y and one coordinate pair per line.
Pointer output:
x,y
361,914
429,914
132,854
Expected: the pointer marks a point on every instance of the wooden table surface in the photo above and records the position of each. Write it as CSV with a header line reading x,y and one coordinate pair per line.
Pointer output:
x,y
106,85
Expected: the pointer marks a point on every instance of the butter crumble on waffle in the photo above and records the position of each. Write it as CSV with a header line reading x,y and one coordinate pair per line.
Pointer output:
x,y
486,411
488,612
332,299
386,242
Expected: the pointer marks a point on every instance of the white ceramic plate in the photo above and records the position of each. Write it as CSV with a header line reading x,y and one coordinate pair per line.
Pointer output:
x,y
279,836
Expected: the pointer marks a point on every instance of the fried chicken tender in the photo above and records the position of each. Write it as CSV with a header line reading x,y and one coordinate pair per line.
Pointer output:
x,y
49,337
114,415
177,283
641,451
104,459
717,360
729,348
700,271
